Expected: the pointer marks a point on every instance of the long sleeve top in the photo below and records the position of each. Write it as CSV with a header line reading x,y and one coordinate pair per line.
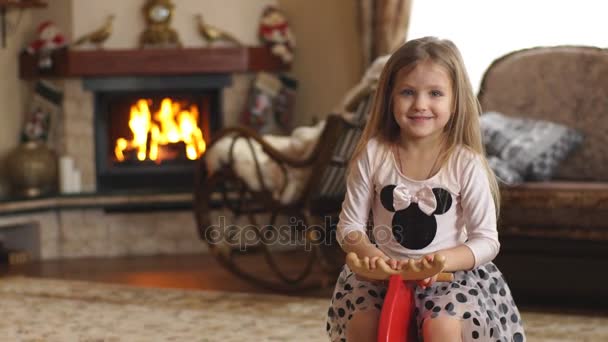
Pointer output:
x,y
413,218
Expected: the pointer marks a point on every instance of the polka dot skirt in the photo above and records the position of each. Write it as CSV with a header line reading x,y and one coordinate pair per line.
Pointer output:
x,y
480,298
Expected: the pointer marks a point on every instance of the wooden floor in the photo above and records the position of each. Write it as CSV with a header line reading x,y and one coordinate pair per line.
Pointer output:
x,y
200,271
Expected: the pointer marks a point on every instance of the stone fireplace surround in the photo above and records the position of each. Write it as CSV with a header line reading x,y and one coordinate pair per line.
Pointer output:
x,y
50,229
83,227
79,226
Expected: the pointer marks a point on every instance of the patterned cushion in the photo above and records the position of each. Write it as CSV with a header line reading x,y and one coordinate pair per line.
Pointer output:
x,y
531,148
504,173
546,164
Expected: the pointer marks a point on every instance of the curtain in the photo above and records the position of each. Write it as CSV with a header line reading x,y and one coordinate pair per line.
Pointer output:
x,y
384,26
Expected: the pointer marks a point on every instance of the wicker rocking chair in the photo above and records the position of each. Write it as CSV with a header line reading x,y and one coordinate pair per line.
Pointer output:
x,y
320,200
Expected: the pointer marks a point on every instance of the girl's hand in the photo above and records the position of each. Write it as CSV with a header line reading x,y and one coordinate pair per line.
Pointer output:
x,y
371,263
392,263
396,264
424,283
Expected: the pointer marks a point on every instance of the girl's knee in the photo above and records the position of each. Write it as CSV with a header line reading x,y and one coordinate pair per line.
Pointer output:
x,y
363,326
442,329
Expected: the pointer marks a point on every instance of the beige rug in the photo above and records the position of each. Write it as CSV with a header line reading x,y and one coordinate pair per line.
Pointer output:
x,y
55,310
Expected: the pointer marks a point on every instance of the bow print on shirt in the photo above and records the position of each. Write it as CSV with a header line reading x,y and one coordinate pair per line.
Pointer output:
x,y
414,224
403,197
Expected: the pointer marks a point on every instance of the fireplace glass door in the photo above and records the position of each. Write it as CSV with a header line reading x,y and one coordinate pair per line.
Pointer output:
x,y
152,139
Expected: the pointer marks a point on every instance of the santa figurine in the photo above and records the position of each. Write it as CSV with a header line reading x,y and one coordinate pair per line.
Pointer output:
x,y
49,38
275,33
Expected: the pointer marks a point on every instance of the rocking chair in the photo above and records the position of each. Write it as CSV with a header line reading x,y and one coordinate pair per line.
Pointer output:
x,y
313,208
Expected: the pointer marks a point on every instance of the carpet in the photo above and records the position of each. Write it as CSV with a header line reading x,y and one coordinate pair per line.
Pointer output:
x,y
57,310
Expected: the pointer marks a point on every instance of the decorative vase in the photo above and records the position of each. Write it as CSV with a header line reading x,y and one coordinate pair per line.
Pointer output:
x,y
32,170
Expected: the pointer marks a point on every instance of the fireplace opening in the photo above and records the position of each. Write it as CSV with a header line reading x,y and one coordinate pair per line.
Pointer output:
x,y
148,135
151,140
162,129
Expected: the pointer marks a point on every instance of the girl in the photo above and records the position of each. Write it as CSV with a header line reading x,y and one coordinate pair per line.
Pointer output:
x,y
420,169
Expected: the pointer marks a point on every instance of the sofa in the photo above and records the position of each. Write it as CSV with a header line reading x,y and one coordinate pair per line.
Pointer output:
x,y
554,233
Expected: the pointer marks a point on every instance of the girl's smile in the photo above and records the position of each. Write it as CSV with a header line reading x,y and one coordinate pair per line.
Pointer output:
x,y
419,119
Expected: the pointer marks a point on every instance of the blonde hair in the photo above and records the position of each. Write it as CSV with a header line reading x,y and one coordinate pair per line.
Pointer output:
x,y
463,127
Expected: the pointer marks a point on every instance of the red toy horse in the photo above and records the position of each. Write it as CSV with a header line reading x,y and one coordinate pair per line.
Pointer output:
x,y
396,317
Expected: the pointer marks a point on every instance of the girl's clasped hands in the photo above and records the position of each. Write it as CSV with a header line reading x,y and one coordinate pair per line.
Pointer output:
x,y
372,264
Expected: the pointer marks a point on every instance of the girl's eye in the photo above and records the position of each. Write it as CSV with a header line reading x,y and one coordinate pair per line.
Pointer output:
x,y
436,93
407,92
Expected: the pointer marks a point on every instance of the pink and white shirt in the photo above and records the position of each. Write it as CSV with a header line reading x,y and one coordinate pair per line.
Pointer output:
x,y
414,218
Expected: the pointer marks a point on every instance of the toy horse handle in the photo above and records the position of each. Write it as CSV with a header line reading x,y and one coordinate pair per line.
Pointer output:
x,y
396,319
413,270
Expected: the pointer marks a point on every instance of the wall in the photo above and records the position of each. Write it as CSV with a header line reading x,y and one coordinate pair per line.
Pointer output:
x,y
328,59
239,17
325,68
13,93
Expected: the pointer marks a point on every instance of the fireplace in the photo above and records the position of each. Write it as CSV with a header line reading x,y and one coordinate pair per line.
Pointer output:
x,y
149,131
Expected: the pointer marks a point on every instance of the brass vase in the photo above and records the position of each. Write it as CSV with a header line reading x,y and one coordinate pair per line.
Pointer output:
x,y
32,170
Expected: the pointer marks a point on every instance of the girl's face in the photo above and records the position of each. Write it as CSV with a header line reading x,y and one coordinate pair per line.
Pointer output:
x,y
422,101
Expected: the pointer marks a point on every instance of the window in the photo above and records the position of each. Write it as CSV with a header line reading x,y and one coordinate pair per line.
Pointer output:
x,y
484,30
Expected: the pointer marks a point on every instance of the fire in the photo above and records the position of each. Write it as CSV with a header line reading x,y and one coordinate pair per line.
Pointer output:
x,y
171,124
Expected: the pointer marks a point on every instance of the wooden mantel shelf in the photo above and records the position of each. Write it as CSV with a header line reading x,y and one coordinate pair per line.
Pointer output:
x,y
148,62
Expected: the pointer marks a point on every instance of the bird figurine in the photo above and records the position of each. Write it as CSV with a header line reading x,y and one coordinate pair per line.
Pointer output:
x,y
213,34
99,36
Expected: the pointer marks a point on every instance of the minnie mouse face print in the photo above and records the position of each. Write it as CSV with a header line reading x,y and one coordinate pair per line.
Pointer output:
x,y
414,224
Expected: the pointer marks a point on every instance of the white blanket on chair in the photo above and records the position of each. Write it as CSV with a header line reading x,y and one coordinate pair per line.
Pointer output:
x,y
301,143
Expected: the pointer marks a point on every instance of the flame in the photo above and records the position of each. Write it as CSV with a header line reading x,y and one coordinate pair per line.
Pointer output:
x,y
169,125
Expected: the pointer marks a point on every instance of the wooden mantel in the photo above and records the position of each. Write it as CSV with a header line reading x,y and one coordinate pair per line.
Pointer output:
x,y
147,62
